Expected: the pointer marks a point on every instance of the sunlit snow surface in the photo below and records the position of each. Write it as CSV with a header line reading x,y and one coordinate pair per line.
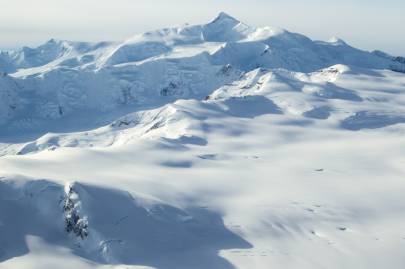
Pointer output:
x,y
215,146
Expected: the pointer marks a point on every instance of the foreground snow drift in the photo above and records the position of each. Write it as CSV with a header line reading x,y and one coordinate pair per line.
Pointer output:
x,y
278,196
111,226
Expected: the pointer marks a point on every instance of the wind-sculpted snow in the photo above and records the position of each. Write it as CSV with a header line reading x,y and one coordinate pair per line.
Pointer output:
x,y
337,95
372,120
322,93
120,227
137,52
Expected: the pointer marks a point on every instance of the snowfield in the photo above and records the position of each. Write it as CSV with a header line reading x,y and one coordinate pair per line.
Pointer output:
x,y
217,146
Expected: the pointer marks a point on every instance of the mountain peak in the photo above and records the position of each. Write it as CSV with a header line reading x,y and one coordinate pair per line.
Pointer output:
x,y
222,16
337,41
225,28
53,40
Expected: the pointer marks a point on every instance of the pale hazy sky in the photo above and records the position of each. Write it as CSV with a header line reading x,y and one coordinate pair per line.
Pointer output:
x,y
367,24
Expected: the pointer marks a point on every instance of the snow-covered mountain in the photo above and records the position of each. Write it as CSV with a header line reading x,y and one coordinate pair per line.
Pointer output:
x,y
208,146
62,78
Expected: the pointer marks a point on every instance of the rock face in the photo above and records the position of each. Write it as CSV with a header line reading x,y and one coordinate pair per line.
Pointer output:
x,y
74,222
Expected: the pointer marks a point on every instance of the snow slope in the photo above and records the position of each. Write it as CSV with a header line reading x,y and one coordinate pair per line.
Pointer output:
x,y
210,146
60,78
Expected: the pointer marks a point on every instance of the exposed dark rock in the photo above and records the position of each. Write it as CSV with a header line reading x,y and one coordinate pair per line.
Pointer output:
x,y
74,223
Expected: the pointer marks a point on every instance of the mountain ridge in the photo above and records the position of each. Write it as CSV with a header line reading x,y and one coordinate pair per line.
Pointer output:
x,y
96,83
224,23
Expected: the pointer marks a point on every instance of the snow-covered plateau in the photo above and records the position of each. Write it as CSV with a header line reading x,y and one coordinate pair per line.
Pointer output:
x,y
214,146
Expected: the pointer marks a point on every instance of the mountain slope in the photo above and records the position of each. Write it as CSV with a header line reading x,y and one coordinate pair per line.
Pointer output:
x,y
62,77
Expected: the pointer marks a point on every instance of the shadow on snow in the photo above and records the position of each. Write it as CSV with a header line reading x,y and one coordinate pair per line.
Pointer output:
x,y
123,229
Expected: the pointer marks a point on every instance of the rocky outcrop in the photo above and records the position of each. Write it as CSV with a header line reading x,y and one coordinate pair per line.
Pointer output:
x,y
74,222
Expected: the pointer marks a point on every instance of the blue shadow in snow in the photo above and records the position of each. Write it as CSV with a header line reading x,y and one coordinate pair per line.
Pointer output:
x,y
370,120
320,113
251,106
130,230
